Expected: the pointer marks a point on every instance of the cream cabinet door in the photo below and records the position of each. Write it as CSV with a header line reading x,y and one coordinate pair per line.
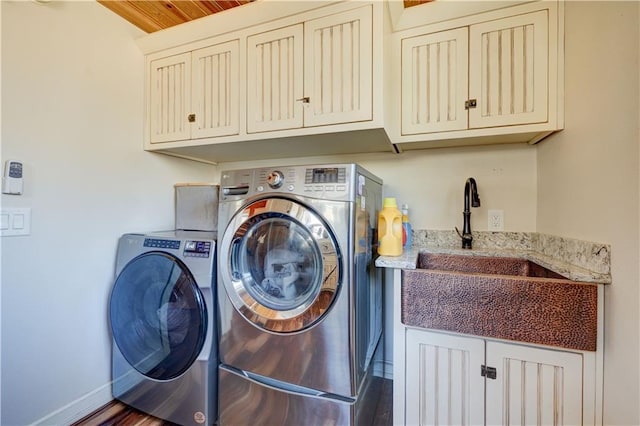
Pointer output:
x,y
170,98
434,82
443,381
508,70
215,91
338,68
533,386
275,80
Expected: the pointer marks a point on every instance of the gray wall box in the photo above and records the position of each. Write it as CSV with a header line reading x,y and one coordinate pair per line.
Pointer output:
x,y
197,206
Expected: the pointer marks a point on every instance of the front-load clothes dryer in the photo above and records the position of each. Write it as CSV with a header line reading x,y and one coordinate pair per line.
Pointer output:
x,y
162,313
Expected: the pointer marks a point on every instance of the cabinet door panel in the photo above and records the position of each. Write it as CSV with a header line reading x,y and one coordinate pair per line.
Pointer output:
x,y
533,386
215,90
274,80
338,68
508,71
434,82
170,98
443,381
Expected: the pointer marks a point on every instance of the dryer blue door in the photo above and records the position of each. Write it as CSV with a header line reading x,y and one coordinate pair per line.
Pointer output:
x,y
158,316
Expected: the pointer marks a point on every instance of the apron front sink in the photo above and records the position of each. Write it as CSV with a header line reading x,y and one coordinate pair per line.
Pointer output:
x,y
499,297
484,265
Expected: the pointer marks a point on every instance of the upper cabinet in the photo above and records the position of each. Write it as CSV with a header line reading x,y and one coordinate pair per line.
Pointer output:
x,y
508,84
338,68
215,90
494,77
169,104
194,94
344,77
313,74
278,89
435,82
274,88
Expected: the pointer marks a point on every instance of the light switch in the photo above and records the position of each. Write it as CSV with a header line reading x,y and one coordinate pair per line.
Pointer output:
x,y
4,221
16,221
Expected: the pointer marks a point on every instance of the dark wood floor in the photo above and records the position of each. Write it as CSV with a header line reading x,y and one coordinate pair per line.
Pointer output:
x,y
118,414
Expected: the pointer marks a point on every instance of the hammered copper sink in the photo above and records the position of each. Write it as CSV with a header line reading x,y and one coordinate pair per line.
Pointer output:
x,y
499,297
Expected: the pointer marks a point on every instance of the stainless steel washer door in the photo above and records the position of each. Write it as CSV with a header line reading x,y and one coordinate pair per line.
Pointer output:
x,y
280,265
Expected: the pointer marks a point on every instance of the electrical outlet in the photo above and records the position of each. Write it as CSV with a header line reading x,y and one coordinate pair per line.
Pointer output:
x,y
496,220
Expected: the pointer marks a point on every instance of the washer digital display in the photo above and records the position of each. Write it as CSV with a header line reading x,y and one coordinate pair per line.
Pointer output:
x,y
325,175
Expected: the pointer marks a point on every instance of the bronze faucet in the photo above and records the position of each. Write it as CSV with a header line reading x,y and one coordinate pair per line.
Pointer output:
x,y
470,192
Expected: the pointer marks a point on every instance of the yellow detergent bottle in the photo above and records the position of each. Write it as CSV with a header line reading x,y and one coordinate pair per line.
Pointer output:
x,y
390,229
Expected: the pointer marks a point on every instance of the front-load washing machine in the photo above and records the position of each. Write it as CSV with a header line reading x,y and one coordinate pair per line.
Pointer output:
x,y
300,298
162,313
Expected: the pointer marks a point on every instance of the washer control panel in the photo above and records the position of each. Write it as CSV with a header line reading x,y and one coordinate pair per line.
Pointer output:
x,y
275,179
329,181
325,179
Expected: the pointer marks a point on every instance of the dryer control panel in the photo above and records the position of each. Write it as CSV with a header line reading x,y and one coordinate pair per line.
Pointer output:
x,y
161,243
192,248
197,248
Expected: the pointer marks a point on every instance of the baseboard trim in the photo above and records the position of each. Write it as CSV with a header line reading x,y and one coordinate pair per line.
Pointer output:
x,y
79,408
383,369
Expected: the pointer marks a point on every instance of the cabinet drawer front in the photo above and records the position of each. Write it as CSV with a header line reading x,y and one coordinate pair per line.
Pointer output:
x,y
274,80
215,90
510,80
170,98
434,82
338,68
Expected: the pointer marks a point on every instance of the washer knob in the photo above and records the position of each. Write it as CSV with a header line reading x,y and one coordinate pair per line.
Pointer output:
x,y
275,179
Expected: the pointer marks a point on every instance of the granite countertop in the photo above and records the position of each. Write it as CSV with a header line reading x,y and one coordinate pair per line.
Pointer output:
x,y
576,260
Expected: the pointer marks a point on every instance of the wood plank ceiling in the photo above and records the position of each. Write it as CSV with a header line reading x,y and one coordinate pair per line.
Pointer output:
x,y
154,15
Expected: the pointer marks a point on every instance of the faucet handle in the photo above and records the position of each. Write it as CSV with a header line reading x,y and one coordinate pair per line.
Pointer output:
x,y
458,231
466,239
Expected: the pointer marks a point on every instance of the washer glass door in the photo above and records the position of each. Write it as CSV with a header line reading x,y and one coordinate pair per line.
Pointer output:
x,y
282,271
158,316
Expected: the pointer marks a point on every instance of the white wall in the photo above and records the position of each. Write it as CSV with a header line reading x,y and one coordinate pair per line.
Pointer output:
x,y
588,177
72,84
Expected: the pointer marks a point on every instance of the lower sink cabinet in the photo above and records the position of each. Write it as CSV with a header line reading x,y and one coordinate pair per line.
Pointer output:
x,y
458,380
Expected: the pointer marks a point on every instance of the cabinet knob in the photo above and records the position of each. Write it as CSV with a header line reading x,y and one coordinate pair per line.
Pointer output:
x,y
471,103
191,118
304,100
